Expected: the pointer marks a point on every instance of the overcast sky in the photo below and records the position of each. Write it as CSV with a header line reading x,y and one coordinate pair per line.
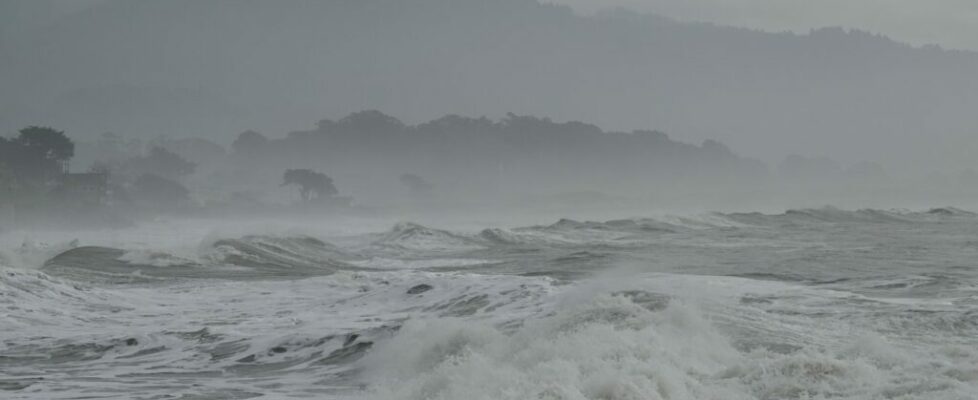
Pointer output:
x,y
765,101
949,23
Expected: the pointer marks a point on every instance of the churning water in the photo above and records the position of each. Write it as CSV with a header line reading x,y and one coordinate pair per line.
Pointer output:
x,y
808,304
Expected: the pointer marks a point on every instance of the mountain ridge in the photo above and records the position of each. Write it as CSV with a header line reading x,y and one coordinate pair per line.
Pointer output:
x,y
285,65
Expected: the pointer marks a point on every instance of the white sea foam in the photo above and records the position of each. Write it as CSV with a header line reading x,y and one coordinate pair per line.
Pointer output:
x,y
393,263
153,258
816,304
612,348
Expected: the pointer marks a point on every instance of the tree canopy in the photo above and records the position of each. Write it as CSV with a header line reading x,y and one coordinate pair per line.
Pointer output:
x,y
37,153
310,183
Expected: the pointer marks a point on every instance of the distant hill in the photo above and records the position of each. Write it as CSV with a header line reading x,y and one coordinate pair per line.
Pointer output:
x,y
469,158
217,67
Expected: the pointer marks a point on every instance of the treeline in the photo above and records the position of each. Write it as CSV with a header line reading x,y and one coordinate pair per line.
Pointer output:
x,y
479,155
35,156
773,93
369,155
38,186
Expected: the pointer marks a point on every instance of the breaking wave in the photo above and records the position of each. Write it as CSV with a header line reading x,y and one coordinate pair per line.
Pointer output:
x,y
615,348
414,246
413,237
807,304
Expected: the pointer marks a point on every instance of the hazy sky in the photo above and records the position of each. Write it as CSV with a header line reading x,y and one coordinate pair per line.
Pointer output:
x,y
832,95
949,23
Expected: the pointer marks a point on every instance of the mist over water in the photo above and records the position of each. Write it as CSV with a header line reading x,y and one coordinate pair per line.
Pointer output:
x,y
468,199
819,303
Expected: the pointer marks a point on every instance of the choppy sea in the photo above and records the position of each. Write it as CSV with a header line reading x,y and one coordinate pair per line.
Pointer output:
x,y
807,304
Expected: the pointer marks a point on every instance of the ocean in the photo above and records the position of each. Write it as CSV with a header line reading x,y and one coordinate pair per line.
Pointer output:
x,y
806,304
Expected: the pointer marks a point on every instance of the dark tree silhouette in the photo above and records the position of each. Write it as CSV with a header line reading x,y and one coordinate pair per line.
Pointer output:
x,y
310,182
39,152
370,121
49,143
475,154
